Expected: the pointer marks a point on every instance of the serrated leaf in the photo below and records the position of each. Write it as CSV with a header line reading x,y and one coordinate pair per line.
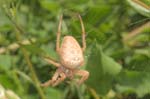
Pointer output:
x,y
108,64
102,70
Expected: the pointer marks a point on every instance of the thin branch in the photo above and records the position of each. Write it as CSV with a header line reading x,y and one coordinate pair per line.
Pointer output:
x,y
15,46
136,31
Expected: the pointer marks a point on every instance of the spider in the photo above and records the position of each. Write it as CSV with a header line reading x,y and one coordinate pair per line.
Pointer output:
x,y
71,58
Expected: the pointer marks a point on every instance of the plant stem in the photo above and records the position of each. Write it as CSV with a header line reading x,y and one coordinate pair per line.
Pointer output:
x,y
34,77
33,73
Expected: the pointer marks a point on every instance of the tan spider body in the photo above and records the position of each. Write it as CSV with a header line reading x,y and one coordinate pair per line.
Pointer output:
x,y
71,55
71,58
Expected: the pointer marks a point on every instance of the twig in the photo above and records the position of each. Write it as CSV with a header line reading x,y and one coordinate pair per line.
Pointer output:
x,y
15,46
136,31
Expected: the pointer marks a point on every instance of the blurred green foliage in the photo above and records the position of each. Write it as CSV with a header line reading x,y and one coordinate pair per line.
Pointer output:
x,y
117,54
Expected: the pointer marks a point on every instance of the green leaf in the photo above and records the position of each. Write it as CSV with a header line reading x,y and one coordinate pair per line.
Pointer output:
x,y
97,14
5,62
144,10
134,82
139,62
49,5
102,70
50,51
108,63
53,93
6,81
33,49
24,76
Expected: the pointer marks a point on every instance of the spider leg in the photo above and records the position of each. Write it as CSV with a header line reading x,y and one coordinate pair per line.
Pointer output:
x,y
51,61
53,80
83,34
59,34
84,75
61,78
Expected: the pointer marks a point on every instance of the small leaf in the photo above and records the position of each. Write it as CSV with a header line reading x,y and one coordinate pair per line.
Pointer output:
x,y
5,62
23,75
50,5
53,93
33,49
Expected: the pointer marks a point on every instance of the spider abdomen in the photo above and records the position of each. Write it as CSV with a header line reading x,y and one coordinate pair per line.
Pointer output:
x,y
71,55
